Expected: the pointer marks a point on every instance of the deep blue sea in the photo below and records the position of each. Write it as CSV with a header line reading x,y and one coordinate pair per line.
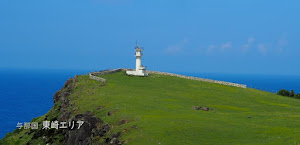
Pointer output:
x,y
26,94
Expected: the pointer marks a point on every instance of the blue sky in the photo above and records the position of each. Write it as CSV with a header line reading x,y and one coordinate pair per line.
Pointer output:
x,y
232,36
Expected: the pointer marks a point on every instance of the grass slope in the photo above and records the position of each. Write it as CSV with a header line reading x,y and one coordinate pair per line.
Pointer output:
x,y
158,110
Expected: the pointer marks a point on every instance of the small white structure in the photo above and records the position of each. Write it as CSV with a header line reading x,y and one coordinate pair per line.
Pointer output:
x,y
139,69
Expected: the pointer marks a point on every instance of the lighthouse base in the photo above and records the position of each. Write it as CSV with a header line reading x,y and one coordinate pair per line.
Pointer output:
x,y
137,73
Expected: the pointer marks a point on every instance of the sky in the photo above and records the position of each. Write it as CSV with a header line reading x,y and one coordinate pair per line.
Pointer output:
x,y
232,36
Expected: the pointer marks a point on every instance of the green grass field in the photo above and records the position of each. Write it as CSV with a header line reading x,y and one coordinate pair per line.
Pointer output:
x,y
158,110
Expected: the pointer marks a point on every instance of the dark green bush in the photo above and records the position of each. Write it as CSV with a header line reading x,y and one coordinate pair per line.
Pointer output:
x,y
297,96
292,94
284,92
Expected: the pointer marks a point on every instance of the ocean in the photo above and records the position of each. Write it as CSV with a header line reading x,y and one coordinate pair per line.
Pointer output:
x,y
27,94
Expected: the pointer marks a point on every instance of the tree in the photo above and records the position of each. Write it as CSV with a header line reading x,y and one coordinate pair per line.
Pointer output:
x,y
292,94
297,96
284,92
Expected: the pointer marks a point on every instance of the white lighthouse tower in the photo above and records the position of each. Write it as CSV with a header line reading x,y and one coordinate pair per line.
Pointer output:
x,y
140,70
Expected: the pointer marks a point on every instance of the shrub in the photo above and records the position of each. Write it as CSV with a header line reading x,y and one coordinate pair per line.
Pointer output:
x,y
297,96
284,92
292,94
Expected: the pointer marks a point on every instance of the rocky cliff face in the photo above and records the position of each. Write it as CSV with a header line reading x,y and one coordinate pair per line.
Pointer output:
x,y
93,128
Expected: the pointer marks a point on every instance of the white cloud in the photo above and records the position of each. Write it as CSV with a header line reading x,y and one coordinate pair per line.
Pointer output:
x,y
210,49
213,48
262,48
226,46
174,49
245,47
281,43
185,40
279,49
250,40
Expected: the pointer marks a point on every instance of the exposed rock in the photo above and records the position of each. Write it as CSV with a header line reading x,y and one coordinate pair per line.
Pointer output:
x,y
82,136
69,82
99,107
114,139
92,127
196,107
65,91
203,108
104,130
122,122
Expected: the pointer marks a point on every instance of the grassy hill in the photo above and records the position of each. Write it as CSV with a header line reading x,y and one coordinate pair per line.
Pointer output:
x,y
158,110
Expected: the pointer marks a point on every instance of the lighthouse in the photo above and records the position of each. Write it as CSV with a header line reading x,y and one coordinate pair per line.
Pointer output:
x,y
140,70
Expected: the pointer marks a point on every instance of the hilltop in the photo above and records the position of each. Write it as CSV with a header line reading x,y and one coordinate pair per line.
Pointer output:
x,y
160,109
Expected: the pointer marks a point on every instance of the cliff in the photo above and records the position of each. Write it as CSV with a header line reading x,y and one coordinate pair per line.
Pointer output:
x,y
64,111
163,109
